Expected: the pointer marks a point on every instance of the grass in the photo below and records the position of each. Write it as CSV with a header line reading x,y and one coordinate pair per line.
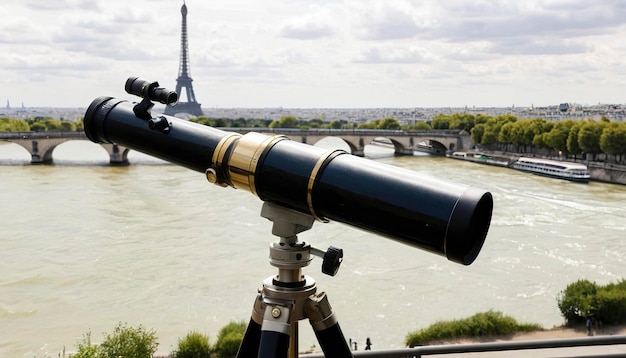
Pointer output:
x,y
490,323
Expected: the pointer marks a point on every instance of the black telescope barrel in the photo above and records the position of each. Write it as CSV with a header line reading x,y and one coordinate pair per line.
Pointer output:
x,y
444,218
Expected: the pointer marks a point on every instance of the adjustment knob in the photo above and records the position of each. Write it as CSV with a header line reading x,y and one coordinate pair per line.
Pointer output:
x,y
332,260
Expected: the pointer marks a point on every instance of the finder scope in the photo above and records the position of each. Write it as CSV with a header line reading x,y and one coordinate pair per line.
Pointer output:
x,y
150,90
445,218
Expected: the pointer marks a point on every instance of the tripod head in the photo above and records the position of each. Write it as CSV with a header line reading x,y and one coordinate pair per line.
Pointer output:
x,y
288,254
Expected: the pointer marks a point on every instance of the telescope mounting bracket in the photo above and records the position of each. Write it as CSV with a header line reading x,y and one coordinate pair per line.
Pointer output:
x,y
288,254
143,109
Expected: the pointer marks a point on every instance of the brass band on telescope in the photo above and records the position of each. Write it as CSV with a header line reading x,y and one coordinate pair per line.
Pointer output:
x,y
213,174
245,157
319,165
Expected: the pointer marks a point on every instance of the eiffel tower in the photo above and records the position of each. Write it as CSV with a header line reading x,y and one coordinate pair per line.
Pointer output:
x,y
184,79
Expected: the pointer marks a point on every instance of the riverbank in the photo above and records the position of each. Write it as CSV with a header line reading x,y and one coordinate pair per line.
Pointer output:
x,y
599,171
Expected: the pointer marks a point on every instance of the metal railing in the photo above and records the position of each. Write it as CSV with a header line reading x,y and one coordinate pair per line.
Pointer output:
x,y
502,347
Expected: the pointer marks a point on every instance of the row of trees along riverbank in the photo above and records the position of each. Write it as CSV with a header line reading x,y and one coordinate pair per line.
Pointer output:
x,y
567,138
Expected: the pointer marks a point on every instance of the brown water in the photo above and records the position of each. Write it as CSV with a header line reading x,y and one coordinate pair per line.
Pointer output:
x,y
84,246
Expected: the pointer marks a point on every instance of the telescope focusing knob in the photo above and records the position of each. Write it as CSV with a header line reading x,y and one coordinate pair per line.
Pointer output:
x,y
332,261
160,124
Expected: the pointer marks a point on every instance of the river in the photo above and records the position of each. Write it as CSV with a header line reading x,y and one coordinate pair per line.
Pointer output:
x,y
84,246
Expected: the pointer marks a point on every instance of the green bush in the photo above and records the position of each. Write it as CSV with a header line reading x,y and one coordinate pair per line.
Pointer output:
x,y
129,342
584,298
86,349
125,342
194,345
577,301
488,323
229,339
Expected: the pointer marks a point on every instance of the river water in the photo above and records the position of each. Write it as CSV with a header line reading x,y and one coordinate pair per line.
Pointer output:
x,y
84,246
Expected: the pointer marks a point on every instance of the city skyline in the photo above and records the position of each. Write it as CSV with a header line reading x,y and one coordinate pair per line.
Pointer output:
x,y
319,53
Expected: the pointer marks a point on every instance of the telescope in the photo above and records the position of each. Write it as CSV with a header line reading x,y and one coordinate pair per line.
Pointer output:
x,y
448,219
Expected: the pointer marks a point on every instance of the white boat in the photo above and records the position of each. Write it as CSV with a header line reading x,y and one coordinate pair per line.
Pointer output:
x,y
552,168
481,158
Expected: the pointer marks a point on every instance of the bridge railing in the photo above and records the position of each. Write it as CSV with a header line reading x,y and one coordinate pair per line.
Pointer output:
x,y
292,131
339,132
41,135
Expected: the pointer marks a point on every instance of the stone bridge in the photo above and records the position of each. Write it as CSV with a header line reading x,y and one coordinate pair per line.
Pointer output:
x,y
42,144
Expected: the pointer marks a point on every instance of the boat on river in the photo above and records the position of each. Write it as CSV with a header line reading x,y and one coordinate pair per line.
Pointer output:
x,y
552,168
481,158
556,169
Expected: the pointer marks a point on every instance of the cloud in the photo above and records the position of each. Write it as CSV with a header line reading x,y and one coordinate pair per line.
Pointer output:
x,y
300,47
398,55
386,23
540,47
496,22
306,30
315,24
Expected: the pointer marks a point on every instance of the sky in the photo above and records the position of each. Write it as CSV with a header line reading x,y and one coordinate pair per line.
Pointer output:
x,y
318,53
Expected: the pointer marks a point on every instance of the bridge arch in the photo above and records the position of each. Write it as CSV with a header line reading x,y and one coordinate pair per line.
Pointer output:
x,y
42,144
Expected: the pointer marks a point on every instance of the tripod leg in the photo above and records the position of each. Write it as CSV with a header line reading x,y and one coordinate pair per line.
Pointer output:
x,y
276,331
249,347
273,345
326,327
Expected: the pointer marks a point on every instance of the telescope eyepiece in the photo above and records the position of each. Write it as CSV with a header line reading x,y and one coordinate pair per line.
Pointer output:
x,y
151,91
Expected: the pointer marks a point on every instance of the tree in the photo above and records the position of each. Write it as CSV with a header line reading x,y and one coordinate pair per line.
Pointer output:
x,y
441,121
534,127
462,121
589,137
572,139
389,123
583,299
613,139
517,133
577,301
385,123
506,133
38,127
336,124
556,138
239,123
420,126
316,123
477,133
285,122
68,126
13,125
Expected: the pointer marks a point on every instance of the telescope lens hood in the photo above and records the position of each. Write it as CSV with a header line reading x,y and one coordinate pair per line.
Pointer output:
x,y
468,226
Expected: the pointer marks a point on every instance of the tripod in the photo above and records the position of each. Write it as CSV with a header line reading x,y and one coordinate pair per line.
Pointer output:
x,y
290,296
